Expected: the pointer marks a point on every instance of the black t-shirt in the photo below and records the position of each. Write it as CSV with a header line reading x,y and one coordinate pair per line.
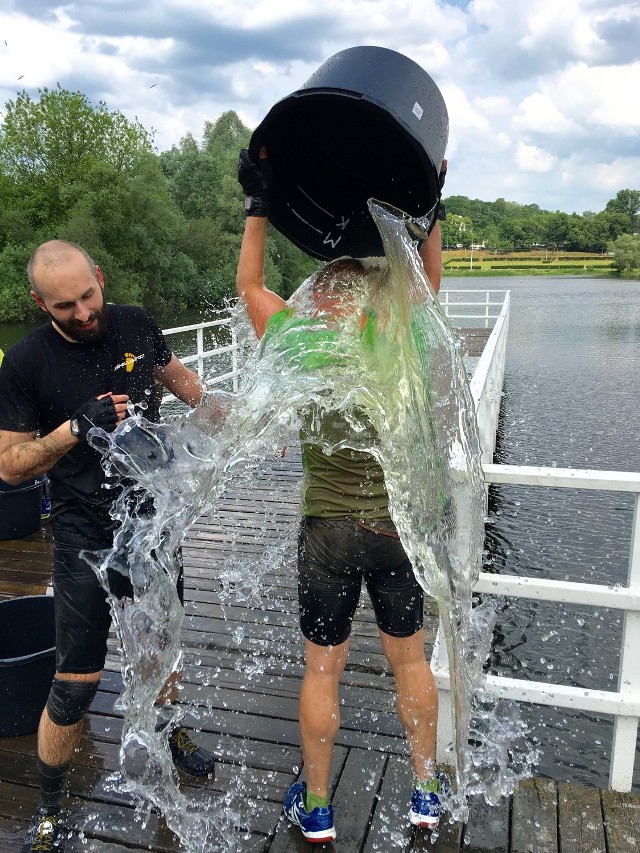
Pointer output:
x,y
44,379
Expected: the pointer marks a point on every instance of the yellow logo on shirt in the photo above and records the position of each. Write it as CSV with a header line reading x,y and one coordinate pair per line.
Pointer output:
x,y
129,361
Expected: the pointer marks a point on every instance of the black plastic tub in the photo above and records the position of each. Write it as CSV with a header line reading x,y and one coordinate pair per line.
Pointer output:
x,y
27,662
369,123
20,508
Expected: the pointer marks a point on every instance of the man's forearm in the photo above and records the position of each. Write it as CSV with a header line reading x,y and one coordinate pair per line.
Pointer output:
x,y
260,302
24,460
431,254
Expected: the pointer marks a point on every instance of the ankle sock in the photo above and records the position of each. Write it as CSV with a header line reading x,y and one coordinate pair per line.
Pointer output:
x,y
313,801
52,781
428,786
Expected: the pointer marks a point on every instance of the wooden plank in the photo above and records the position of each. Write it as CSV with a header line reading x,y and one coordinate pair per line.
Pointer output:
x,y
242,750
534,818
621,814
487,830
580,819
355,797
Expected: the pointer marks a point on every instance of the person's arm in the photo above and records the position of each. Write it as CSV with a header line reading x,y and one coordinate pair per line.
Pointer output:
x,y
23,455
259,301
180,381
431,255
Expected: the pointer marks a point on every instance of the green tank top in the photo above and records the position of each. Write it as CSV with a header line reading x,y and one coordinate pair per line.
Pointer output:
x,y
345,482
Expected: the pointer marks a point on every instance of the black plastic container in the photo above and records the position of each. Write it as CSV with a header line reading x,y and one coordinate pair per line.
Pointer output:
x,y
20,508
27,662
369,123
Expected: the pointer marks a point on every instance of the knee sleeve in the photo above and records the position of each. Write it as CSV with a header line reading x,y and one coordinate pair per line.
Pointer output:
x,y
69,700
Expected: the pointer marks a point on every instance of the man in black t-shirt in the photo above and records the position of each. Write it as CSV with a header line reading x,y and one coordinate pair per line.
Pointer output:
x,y
84,368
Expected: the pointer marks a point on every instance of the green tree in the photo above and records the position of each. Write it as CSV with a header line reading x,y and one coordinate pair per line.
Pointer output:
x,y
84,173
626,202
50,142
626,252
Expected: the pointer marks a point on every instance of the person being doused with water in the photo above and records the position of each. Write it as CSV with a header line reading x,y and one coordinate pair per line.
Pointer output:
x,y
346,533
85,368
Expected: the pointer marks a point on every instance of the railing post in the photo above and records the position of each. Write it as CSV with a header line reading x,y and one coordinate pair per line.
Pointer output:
x,y
486,309
625,729
200,351
440,665
234,360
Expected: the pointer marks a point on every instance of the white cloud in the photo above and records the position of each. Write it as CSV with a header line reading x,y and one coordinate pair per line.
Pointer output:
x,y
538,112
602,95
533,159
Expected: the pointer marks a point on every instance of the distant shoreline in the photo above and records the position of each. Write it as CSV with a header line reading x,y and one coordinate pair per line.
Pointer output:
x,y
539,262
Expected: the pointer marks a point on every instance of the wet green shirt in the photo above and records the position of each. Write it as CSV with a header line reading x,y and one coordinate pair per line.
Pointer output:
x,y
345,482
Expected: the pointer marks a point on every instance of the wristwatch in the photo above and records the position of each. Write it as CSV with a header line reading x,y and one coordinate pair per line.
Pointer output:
x,y
74,426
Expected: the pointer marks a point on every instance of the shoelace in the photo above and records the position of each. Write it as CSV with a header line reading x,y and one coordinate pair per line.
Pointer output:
x,y
183,741
46,834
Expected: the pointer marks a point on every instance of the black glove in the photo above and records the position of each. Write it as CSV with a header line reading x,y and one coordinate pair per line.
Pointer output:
x,y
254,178
99,413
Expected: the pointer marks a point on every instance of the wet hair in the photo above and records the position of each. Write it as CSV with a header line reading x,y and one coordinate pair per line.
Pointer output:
x,y
340,273
54,253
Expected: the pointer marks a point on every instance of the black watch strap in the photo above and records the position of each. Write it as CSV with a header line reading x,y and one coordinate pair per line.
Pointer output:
x,y
74,426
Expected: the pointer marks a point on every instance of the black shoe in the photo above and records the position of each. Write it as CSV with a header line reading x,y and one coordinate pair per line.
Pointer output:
x,y
44,833
189,757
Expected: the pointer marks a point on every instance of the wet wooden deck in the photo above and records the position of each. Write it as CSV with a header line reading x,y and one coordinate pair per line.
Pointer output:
x,y
242,672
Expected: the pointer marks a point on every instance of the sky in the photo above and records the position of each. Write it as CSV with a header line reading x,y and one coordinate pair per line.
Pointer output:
x,y
543,96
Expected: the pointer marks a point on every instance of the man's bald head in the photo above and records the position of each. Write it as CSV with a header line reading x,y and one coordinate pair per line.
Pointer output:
x,y
69,287
52,256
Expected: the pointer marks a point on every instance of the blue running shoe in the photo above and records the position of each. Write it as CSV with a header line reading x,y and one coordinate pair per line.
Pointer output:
x,y
425,805
316,825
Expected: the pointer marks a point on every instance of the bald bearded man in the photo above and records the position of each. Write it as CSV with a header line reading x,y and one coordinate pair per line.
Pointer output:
x,y
86,367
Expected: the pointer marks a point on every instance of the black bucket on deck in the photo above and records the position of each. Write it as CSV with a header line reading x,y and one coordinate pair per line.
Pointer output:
x,y
369,123
20,508
27,662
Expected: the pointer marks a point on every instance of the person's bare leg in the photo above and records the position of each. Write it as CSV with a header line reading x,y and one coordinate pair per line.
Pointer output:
x,y
170,691
320,711
57,744
417,698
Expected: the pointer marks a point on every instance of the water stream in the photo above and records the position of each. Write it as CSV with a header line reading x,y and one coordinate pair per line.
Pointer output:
x,y
389,366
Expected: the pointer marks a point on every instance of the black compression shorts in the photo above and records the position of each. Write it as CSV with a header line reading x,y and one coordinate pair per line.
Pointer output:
x,y
334,557
82,613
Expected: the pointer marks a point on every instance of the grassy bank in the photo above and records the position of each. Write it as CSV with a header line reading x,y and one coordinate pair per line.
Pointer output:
x,y
460,262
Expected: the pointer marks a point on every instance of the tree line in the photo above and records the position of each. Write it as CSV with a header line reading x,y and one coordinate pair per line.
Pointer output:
x,y
508,226
166,227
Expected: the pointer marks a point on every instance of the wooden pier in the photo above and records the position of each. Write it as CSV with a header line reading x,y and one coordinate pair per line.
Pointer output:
x,y
242,671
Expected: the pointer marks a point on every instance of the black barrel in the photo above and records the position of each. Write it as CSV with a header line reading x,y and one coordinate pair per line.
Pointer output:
x,y
369,123
20,508
27,661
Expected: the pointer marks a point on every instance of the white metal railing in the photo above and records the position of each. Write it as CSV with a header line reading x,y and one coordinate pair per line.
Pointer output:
x,y
201,356
487,304
624,703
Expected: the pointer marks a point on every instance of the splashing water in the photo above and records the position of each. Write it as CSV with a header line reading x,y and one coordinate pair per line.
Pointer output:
x,y
378,357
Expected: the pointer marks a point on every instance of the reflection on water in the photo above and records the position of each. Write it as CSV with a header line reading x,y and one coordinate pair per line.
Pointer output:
x,y
571,396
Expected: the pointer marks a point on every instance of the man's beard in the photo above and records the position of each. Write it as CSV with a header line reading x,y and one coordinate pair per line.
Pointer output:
x,y
74,329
